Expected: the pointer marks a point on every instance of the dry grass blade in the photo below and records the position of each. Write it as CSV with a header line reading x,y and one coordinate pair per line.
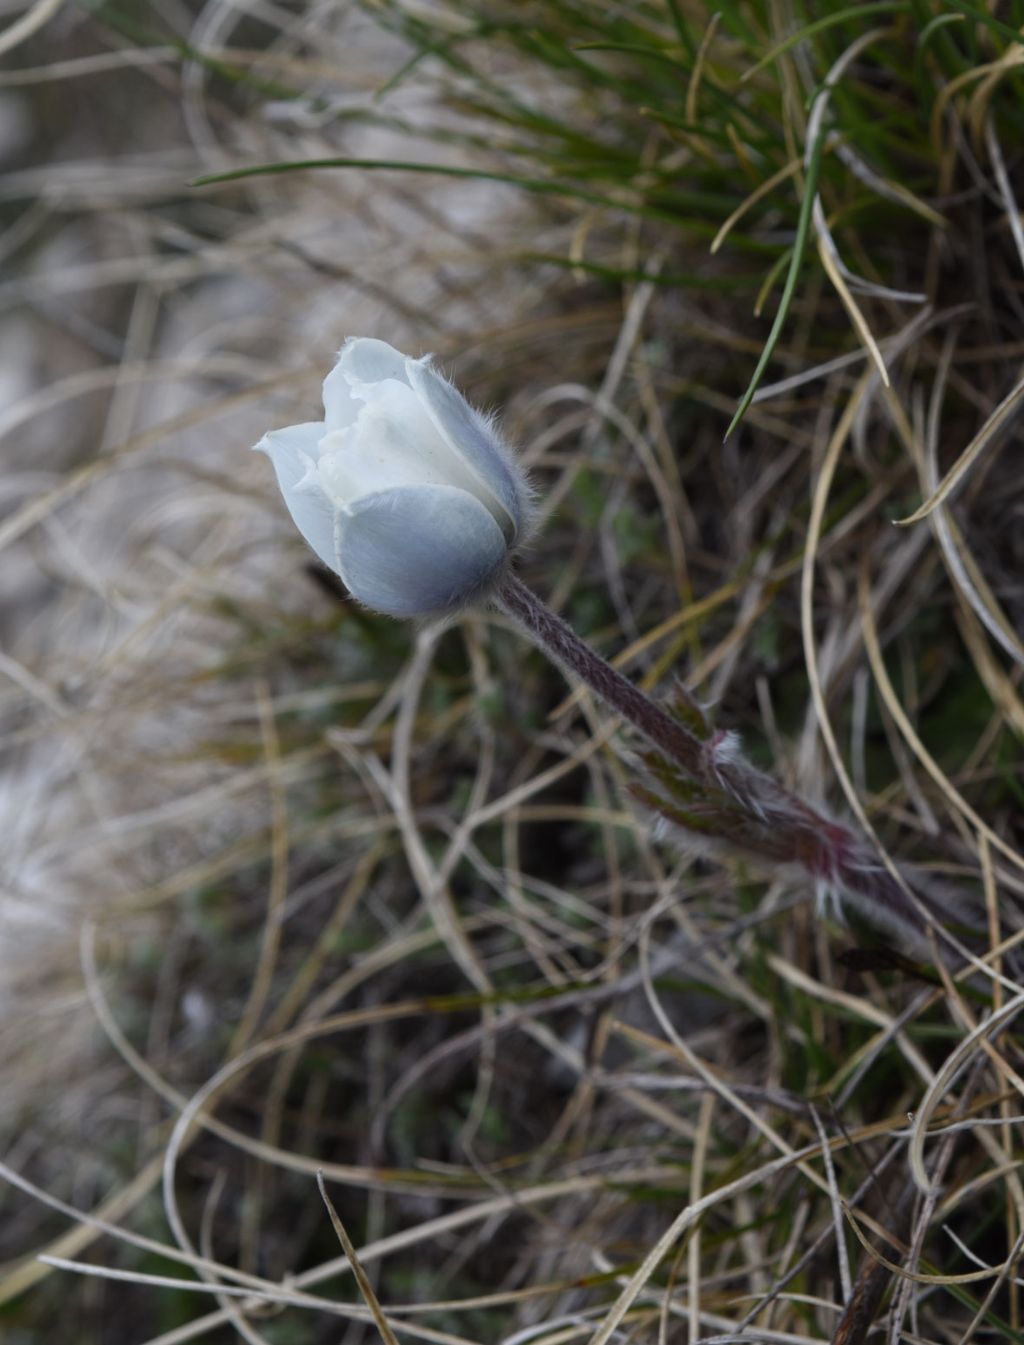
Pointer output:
x,y
910,735
98,1225
827,249
16,1279
361,1277
962,566
1002,177
914,1276
957,1061
693,87
270,946
696,1191
762,190
858,1006
995,425
30,22
830,261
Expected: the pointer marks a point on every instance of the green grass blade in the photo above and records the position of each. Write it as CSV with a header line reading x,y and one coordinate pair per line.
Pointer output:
x,y
819,25
800,242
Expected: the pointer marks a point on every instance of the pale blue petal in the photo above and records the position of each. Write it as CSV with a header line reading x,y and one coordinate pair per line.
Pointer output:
x,y
340,407
292,451
291,443
393,443
418,550
466,432
361,360
364,359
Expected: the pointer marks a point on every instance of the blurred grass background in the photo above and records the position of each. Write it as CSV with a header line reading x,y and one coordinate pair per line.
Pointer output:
x,y
376,901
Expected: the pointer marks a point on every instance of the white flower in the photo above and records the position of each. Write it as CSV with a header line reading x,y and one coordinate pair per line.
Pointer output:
x,y
402,489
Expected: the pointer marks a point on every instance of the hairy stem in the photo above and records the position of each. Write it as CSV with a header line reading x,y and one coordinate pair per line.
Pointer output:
x,y
743,808
558,639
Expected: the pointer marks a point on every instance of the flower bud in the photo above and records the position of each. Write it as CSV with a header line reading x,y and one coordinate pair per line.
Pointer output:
x,y
403,489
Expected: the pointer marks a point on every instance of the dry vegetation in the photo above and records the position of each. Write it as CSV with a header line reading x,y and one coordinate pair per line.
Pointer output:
x,y
289,888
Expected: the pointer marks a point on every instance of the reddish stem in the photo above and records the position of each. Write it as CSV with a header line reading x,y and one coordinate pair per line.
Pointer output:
x,y
774,821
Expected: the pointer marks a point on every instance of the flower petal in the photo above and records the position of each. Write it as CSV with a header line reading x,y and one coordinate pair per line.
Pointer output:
x,y
293,451
293,445
364,359
467,434
418,550
361,360
395,443
340,407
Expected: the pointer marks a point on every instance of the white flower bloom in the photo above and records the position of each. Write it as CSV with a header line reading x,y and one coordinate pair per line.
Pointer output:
x,y
403,489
